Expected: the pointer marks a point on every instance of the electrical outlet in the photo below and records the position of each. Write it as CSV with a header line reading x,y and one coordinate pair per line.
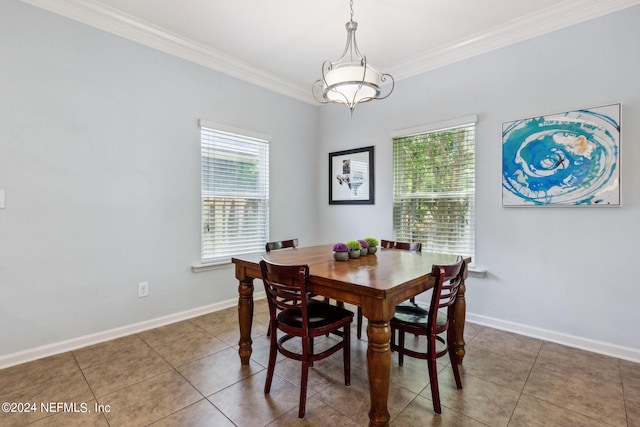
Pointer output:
x,y
143,289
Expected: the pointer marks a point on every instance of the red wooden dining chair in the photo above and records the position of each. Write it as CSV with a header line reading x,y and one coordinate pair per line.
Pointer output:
x,y
281,244
408,246
277,245
431,321
296,315
389,244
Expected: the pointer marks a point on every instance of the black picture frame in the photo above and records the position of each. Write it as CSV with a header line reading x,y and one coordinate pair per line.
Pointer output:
x,y
351,177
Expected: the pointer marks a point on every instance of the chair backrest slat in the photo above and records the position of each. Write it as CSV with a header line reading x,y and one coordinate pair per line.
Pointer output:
x,y
387,244
286,288
445,290
407,246
281,244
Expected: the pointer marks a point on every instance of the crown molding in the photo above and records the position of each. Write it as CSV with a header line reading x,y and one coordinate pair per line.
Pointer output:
x,y
126,26
564,14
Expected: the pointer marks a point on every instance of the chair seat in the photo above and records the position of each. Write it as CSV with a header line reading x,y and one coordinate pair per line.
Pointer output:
x,y
320,314
416,314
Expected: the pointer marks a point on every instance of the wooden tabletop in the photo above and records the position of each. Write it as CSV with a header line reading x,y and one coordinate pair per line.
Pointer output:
x,y
387,274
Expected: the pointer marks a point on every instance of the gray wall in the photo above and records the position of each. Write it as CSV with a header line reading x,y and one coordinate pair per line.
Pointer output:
x,y
99,157
566,274
100,160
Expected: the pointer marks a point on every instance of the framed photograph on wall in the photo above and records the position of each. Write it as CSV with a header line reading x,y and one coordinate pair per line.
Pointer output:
x,y
564,159
351,177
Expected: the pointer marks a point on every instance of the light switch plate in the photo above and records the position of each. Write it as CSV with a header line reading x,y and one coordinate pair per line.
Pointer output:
x,y
1,199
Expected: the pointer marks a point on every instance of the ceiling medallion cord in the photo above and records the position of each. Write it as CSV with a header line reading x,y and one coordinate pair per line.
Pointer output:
x,y
350,80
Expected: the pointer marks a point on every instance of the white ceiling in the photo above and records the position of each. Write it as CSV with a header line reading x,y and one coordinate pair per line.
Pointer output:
x,y
281,44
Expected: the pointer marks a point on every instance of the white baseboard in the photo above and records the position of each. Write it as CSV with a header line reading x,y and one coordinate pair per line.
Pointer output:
x,y
91,339
600,347
12,359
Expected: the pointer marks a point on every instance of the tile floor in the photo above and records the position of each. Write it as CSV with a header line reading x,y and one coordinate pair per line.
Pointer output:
x,y
189,374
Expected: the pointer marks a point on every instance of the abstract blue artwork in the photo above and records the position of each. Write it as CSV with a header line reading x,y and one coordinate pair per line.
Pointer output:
x,y
565,159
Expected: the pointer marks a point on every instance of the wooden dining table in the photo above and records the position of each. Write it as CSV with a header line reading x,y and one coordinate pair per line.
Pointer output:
x,y
376,282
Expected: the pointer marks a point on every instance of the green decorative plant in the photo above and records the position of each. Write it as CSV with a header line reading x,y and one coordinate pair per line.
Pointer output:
x,y
371,241
354,245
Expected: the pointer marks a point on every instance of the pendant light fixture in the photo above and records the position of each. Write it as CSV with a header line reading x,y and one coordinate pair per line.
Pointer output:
x,y
350,80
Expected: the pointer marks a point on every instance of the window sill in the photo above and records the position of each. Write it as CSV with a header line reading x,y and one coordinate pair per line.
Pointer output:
x,y
199,268
475,271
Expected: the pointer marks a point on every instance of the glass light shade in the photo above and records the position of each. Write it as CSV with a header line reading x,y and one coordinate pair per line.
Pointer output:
x,y
351,84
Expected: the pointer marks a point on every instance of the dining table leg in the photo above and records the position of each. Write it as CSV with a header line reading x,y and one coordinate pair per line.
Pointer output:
x,y
245,318
379,369
460,311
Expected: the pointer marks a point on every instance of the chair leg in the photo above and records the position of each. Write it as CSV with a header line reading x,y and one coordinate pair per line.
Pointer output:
x,y
303,388
346,355
400,347
359,323
453,358
273,352
393,339
433,375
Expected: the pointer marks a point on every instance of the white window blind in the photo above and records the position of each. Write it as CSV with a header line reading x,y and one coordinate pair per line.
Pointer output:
x,y
235,193
434,189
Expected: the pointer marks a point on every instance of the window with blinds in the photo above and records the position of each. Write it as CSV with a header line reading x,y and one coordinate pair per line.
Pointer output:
x,y
235,192
434,188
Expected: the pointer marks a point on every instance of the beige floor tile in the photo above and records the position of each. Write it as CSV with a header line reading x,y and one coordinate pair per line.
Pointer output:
x,y
85,416
579,364
323,374
479,399
69,388
166,334
261,319
630,378
41,370
317,414
507,343
497,368
632,405
120,373
199,414
261,347
354,401
579,393
412,375
358,351
246,404
162,376
419,413
471,330
217,371
114,349
227,316
149,400
227,331
191,346
532,412
348,400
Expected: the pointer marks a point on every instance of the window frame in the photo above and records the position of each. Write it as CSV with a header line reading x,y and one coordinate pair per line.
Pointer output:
x,y
249,229
467,247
